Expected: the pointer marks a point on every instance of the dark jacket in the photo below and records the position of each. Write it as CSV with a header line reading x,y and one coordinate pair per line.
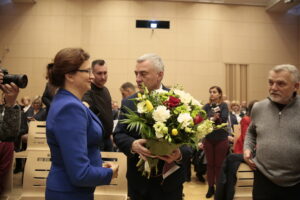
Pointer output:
x,y
39,116
124,139
48,96
10,123
99,100
219,134
227,181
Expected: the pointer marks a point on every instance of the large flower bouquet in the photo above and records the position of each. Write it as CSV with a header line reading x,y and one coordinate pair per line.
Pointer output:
x,y
168,120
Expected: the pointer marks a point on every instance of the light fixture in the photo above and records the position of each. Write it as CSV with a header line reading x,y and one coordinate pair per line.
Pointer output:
x,y
153,25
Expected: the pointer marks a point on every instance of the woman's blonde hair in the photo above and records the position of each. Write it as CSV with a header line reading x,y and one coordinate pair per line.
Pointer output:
x,y
37,100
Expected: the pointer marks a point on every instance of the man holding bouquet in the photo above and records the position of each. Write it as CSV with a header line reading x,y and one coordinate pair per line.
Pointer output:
x,y
149,73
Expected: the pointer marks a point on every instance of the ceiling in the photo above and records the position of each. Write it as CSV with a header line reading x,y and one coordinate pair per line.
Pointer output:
x,y
238,2
270,5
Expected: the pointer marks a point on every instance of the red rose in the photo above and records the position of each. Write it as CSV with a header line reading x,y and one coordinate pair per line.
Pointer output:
x,y
198,119
172,102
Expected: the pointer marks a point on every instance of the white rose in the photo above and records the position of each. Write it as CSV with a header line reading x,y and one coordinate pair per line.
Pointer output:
x,y
161,114
185,98
185,119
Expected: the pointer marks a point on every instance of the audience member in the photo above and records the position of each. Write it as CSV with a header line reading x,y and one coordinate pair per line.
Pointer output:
x,y
9,127
244,108
115,110
99,100
235,109
216,144
199,162
48,94
25,103
245,122
272,140
73,131
36,112
149,72
21,145
127,89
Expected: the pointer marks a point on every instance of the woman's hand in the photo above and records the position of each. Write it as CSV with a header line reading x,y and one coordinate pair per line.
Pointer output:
x,y
113,166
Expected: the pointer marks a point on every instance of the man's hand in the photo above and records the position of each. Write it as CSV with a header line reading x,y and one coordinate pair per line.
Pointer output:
x,y
248,159
230,138
200,145
174,156
138,147
113,166
11,92
31,119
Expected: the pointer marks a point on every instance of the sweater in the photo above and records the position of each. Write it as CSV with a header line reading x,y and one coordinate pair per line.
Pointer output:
x,y
99,100
275,135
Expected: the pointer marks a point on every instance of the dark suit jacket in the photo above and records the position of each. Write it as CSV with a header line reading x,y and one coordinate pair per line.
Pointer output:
x,y
73,135
48,96
40,116
124,139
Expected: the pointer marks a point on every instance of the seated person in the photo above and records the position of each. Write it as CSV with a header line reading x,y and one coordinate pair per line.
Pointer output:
x,y
36,112
245,122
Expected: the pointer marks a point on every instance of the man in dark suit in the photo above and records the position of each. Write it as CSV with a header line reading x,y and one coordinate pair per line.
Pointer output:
x,y
149,71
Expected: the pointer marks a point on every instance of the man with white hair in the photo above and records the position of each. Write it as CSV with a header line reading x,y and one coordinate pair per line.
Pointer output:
x,y
149,71
272,141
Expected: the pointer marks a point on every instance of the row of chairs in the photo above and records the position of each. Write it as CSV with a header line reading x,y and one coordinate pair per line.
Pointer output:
x,y
38,165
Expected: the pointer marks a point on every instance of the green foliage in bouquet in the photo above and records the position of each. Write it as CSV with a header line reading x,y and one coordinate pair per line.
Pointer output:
x,y
168,120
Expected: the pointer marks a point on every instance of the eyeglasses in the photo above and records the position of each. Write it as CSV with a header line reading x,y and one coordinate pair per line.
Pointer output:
x,y
85,70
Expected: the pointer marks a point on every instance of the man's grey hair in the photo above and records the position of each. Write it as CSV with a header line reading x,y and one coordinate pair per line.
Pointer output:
x,y
155,59
289,68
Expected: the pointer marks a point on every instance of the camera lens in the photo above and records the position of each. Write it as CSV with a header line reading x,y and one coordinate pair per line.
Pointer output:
x,y
20,80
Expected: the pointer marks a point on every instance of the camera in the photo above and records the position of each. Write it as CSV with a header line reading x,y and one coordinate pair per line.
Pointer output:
x,y
20,80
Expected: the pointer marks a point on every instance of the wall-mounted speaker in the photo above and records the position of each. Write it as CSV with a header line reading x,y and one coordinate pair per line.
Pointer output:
x,y
153,24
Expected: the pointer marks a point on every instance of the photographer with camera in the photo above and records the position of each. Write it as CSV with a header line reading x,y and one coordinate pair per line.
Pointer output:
x,y
10,114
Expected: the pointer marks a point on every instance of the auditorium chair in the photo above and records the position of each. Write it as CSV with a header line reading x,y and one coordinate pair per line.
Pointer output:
x,y
117,190
38,165
244,185
36,138
35,174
